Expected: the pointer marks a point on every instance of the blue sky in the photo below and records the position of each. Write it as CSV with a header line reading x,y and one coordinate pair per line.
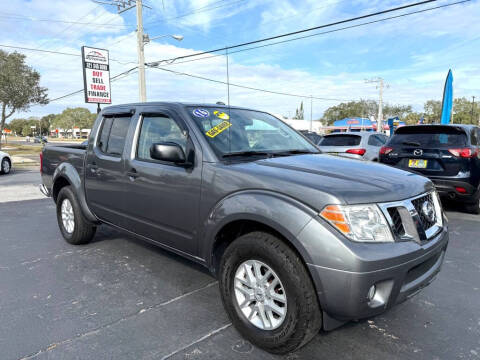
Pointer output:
x,y
412,54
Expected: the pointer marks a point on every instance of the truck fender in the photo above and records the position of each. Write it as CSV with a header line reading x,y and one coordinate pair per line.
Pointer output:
x,y
285,215
68,172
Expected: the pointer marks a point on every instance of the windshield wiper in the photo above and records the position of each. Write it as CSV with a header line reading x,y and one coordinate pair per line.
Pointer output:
x,y
247,153
412,143
294,152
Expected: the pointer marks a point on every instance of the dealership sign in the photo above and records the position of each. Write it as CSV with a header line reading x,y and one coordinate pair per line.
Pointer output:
x,y
96,75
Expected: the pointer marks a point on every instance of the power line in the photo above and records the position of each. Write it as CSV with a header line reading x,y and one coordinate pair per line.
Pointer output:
x,y
320,33
59,53
116,77
198,10
247,87
304,30
19,17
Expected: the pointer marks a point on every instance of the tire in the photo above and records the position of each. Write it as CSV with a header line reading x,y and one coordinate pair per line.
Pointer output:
x,y
302,319
5,166
76,230
473,208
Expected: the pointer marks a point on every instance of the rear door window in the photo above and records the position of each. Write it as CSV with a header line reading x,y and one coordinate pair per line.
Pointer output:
x,y
341,140
113,134
374,140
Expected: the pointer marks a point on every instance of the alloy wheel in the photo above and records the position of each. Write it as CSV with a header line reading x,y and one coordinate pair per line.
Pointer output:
x,y
260,295
68,217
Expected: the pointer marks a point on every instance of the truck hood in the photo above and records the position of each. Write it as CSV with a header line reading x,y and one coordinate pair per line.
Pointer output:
x,y
314,179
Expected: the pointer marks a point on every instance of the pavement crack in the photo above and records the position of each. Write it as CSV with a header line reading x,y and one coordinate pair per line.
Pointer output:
x,y
129,316
204,337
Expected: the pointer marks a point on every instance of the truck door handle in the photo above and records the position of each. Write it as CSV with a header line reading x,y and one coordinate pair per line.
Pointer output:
x,y
93,168
132,174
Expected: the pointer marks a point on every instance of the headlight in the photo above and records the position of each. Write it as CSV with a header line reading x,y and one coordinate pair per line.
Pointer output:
x,y
363,223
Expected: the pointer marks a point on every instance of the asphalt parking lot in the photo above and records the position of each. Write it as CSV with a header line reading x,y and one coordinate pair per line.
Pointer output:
x,y
120,298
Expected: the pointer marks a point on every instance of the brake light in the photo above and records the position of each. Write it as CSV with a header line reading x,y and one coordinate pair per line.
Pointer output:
x,y
463,152
41,163
360,152
385,150
461,190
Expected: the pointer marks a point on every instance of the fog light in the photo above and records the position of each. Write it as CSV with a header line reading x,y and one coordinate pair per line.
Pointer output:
x,y
371,292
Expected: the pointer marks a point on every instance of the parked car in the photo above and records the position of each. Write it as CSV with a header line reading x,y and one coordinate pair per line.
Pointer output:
x,y
312,136
5,163
447,154
298,240
42,140
361,145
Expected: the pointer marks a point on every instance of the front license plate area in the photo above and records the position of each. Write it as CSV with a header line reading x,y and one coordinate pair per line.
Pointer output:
x,y
417,163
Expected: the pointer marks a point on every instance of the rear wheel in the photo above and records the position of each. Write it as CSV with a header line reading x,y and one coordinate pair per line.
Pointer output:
x,y
473,208
268,294
5,166
74,227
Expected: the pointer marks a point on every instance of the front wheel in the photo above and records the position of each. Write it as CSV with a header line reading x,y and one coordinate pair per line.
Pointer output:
x,y
268,294
5,166
75,229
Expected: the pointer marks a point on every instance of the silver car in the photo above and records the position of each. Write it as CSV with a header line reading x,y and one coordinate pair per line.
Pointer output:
x,y
362,145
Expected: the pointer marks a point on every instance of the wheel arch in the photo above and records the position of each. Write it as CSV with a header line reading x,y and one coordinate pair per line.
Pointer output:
x,y
270,212
66,175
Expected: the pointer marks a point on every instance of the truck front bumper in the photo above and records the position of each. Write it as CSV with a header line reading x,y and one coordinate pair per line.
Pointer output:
x,y
351,295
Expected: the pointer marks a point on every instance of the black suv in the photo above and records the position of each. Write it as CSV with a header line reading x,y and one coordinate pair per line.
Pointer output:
x,y
447,154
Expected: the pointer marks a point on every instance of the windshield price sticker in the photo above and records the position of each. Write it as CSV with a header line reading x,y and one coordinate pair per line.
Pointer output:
x,y
221,115
96,75
224,125
201,113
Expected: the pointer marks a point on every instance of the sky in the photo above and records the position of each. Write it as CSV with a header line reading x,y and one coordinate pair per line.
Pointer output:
x,y
412,53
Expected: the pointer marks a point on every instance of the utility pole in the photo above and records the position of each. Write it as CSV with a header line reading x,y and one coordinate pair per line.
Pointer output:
x,y
141,54
122,6
381,85
473,108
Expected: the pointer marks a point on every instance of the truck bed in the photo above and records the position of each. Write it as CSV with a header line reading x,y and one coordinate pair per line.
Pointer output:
x,y
54,155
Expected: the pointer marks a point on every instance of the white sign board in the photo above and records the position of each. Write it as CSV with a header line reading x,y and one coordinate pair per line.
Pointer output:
x,y
96,75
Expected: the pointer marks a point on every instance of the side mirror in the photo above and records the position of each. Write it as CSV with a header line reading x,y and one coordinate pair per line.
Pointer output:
x,y
168,151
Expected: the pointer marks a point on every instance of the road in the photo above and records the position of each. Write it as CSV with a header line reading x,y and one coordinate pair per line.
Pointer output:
x,y
120,298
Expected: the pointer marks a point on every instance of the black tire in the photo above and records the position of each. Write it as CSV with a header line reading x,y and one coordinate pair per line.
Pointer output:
x,y
473,208
3,166
83,230
303,318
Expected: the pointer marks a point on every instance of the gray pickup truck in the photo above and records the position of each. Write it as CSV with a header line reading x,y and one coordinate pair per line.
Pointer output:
x,y
299,241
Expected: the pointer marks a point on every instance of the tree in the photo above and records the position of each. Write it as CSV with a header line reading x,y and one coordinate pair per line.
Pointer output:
x,y
363,108
433,111
45,123
462,111
19,86
299,112
74,117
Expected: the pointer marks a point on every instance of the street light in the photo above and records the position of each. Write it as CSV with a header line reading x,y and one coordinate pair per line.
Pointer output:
x,y
146,38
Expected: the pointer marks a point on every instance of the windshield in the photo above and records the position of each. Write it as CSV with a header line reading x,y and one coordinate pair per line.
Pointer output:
x,y
246,131
429,137
341,140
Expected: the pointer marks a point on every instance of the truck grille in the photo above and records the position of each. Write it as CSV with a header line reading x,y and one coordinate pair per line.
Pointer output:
x,y
418,219
397,228
418,204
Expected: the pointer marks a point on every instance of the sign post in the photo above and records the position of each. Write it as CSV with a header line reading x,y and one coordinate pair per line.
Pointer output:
x,y
96,76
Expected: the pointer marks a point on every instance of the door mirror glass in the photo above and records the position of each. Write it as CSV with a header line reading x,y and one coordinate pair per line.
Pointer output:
x,y
168,151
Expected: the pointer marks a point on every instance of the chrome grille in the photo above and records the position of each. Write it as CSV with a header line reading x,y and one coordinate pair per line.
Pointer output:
x,y
396,222
409,219
418,204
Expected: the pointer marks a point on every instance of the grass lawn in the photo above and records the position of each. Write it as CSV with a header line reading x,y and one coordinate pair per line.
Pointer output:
x,y
22,150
